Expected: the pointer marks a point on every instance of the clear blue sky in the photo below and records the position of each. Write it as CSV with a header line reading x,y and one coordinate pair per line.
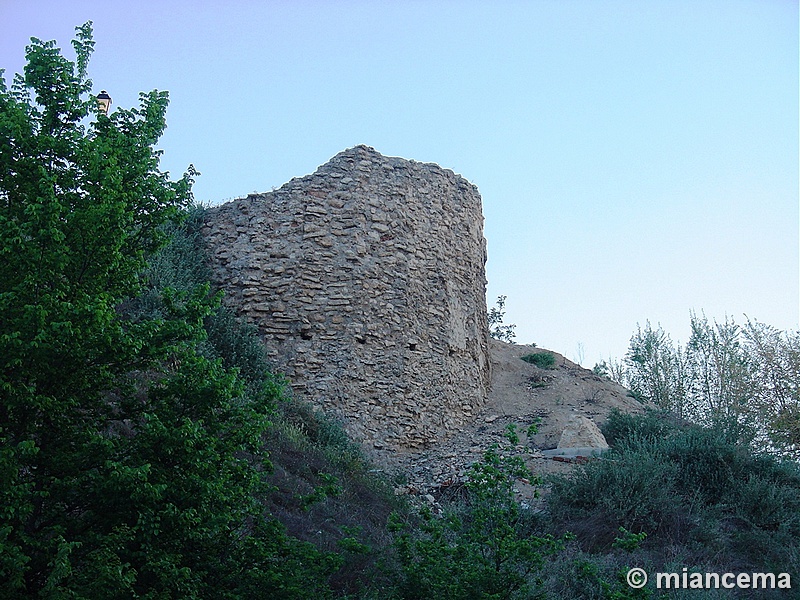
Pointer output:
x,y
637,160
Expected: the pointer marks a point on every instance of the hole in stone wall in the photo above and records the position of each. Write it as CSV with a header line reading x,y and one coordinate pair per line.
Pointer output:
x,y
412,346
361,339
305,334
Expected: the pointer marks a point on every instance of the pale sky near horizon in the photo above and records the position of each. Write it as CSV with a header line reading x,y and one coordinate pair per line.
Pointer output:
x,y
637,160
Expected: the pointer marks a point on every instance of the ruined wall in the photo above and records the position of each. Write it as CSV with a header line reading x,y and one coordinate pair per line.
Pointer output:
x,y
367,282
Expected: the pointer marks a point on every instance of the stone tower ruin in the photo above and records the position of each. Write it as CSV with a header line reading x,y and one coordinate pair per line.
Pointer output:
x,y
366,280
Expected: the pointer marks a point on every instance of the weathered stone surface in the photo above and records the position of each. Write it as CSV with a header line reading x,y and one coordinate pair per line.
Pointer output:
x,y
367,282
581,432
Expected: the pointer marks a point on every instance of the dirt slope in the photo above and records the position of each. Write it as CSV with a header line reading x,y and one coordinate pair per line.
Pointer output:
x,y
521,393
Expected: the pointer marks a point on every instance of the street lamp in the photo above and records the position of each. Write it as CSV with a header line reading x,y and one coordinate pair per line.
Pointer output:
x,y
104,101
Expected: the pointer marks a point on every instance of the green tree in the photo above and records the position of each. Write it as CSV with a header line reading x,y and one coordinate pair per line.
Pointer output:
x,y
130,458
741,378
683,483
497,330
722,382
656,370
775,370
485,548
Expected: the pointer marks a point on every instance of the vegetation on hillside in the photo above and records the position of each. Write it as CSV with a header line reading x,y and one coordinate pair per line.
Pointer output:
x,y
483,545
740,378
130,454
147,450
543,360
497,329
701,499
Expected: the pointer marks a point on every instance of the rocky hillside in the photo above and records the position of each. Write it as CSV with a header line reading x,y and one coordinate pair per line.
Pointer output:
x,y
366,282
521,394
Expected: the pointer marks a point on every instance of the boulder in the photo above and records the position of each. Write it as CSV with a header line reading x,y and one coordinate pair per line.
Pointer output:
x,y
582,432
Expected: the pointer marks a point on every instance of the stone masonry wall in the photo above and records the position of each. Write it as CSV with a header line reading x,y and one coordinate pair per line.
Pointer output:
x,y
366,280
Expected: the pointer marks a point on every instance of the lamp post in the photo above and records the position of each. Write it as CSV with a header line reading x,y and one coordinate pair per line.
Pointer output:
x,y
104,101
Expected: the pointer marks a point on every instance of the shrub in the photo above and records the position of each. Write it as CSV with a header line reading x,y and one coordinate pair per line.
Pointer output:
x,y
483,547
543,360
652,425
685,485
497,330
575,574
634,490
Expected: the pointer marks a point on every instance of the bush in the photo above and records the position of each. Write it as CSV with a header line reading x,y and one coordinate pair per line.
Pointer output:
x,y
497,330
543,360
576,574
687,486
636,493
484,547
652,425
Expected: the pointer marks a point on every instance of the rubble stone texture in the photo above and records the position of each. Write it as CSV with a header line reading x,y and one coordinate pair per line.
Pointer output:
x,y
367,282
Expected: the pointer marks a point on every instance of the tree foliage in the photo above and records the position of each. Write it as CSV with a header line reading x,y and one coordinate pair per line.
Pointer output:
x,y
487,547
656,369
498,330
694,489
130,455
741,378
